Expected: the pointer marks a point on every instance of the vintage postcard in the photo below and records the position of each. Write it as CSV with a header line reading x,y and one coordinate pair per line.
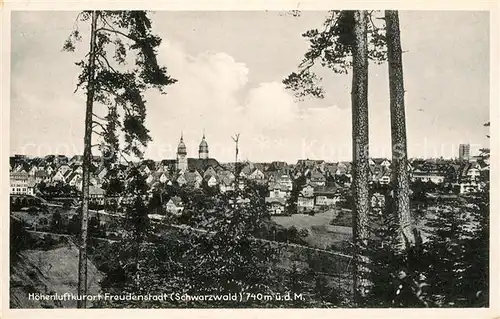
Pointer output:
x,y
197,159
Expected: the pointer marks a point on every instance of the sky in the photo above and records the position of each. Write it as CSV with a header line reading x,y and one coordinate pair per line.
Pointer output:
x,y
230,67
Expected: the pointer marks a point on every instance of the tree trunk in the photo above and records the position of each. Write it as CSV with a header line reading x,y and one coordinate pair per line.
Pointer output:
x,y
87,153
359,99
400,176
137,265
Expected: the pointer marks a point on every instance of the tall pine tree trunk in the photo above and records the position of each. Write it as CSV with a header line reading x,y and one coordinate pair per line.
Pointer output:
x,y
400,176
87,154
359,99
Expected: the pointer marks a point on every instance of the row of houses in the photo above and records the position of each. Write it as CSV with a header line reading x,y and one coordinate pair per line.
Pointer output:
x,y
279,176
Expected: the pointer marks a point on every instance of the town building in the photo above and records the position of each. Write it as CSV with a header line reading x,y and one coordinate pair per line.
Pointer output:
x,y
464,152
276,205
182,163
203,149
326,196
175,205
200,164
96,195
21,183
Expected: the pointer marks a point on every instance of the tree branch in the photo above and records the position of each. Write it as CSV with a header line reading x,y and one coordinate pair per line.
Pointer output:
x,y
125,108
118,32
328,27
122,156
107,62
100,118
97,124
98,133
124,101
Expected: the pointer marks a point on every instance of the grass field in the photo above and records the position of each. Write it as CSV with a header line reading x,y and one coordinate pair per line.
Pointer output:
x,y
321,233
305,221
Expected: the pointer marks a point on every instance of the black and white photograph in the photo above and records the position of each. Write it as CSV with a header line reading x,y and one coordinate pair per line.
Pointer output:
x,y
196,159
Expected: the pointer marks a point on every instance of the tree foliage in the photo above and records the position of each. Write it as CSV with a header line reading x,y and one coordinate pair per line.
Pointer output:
x,y
120,80
448,267
217,253
331,47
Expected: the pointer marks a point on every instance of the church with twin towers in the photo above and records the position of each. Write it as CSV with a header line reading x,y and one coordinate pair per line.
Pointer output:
x,y
183,163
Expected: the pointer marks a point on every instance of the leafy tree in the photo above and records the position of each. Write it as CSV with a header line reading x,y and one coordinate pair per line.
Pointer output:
x,y
396,276
20,239
485,152
56,224
95,229
458,253
107,81
155,203
137,223
74,225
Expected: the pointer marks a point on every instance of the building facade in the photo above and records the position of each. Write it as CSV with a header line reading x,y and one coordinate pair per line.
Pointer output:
x,y
21,183
464,152
182,162
203,149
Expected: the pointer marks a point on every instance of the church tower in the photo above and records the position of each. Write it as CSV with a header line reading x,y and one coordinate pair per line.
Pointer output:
x,y
203,149
182,162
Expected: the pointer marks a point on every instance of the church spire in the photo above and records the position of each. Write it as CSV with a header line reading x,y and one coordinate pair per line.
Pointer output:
x,y
203,149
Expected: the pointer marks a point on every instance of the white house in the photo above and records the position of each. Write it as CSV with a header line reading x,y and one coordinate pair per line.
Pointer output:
x,y
211,181
276,206
21,183
305,203
380,161
469,187
58,177
78,169
96,195
257,175
75,180
32,171
474,171
317,178
307,190
385,180
285,181
175,206
163,178
181,180
63,168
277,190
326,196
49,169
225,184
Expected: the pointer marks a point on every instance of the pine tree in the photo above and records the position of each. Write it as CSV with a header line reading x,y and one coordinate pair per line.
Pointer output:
x,y
348,41
400,174
107,81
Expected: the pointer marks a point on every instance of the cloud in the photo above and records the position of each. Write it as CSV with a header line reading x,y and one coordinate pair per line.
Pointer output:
x,y
204,98
212,95
270,106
